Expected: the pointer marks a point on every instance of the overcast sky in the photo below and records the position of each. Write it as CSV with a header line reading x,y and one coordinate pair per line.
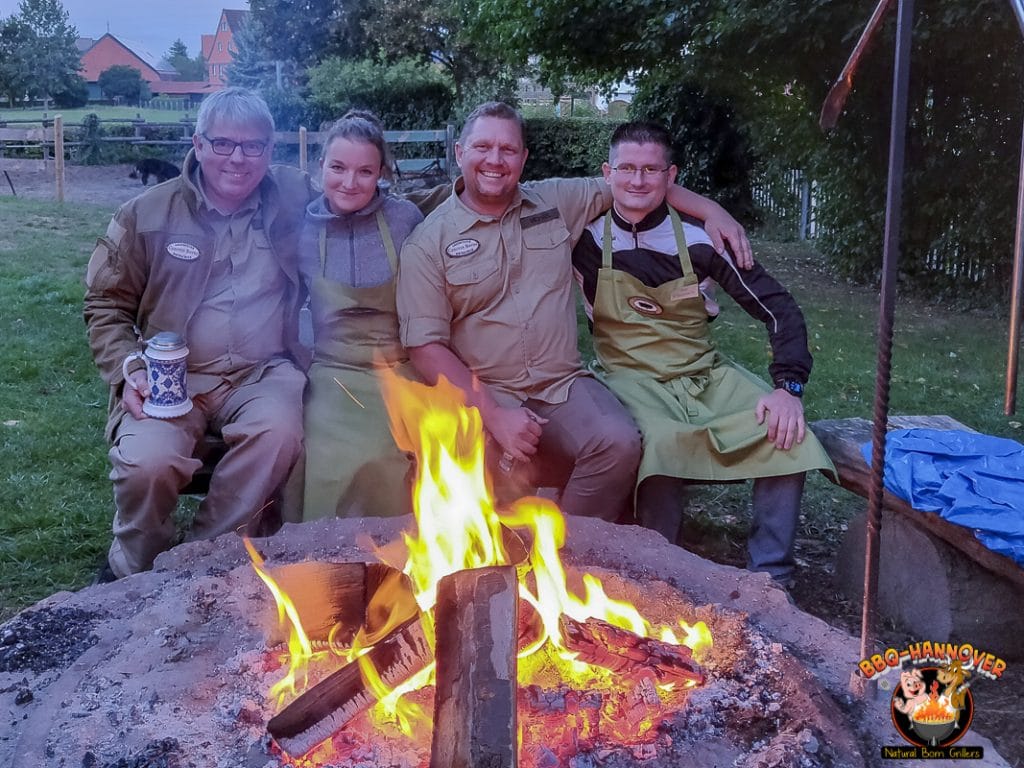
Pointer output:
x,y
153,23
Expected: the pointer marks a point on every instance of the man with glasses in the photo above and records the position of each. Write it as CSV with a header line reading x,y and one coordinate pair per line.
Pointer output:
x,y
485,299
211,257
703,418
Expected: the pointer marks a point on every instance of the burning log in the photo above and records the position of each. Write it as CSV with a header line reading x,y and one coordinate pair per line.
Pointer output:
x,y
328,706
342,597
599,643
475,699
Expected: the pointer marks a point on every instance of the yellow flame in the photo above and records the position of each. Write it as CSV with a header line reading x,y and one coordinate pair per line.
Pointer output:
x,y
457,527
300,650
696,637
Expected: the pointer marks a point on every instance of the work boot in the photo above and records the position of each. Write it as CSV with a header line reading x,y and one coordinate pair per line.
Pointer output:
x,y
105,575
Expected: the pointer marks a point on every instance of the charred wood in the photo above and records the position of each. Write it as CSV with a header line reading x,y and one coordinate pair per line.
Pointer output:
x,y
475,699
619,650
328,706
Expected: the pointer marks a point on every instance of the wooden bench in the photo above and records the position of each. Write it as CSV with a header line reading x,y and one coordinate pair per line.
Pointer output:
x,y
935,577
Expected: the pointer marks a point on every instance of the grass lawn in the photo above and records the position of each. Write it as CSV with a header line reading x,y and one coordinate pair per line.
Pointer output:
x,y
55,498
104,113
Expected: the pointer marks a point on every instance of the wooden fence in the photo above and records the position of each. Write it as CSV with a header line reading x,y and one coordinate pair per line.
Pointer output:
x,y
792,200
46,139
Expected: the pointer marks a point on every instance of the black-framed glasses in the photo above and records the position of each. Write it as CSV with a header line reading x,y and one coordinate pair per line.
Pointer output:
x,y
646,170
221,146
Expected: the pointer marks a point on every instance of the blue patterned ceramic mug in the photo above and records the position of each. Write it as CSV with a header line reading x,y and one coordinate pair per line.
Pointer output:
x,y
166,359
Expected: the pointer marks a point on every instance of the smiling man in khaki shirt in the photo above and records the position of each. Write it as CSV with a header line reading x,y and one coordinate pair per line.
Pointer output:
x,y
210,256
485,299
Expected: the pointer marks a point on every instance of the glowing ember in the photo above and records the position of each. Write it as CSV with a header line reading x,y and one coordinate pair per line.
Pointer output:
x,y
458,528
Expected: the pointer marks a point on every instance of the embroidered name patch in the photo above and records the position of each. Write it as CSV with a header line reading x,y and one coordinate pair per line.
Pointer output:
x,y
644,305
691,291
461,248
183,251
538,218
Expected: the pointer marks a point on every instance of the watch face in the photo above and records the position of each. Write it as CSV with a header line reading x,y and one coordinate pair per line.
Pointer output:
x,y
794,388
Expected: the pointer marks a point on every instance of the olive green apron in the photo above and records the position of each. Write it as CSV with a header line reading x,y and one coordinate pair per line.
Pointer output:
x,y
694,406
353,468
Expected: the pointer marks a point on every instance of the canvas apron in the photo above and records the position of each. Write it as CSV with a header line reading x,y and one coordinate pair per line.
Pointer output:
x,y
353,467
694,407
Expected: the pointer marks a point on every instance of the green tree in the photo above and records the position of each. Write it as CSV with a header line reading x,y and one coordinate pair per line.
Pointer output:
x,y
311,31
403,95
253,65
123,83
188,68
770,64
15,37
431,31
73,93
51,57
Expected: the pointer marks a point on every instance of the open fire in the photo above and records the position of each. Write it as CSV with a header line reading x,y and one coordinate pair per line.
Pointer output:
x,y
468,645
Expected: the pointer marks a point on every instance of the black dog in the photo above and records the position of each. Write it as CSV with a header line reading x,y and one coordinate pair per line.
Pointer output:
x,y
151,166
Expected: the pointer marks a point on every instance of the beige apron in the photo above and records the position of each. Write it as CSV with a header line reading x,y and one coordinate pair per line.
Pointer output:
x,y
694,406
353,467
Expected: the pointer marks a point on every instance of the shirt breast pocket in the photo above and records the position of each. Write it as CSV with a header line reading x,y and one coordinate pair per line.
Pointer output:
x,y
472,282
546,253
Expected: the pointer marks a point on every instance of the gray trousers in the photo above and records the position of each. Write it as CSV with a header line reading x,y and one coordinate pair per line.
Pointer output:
x,y
152,459
661,506
589,449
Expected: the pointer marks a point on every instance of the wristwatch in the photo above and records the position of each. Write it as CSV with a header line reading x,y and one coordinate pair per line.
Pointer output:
x,y
795,388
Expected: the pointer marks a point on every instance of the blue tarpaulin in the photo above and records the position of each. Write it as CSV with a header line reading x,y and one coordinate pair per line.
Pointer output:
x,y
968,478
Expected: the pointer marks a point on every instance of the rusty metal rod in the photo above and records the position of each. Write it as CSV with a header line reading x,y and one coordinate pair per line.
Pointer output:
x,y
1017,284
887,303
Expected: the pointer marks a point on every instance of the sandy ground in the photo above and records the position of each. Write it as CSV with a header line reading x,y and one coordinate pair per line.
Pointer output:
x,y
105,185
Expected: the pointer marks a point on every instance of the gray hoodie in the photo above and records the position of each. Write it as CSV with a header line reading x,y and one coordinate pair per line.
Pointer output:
x,y
355,251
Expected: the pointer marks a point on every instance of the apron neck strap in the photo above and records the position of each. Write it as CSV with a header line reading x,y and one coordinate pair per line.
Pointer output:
x,y
684,250
385,236
677,229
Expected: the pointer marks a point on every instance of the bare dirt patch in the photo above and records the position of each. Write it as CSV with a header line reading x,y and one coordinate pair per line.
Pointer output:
x,y
104,185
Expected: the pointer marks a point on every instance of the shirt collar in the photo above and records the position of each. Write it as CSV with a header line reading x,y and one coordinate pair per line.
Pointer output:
x,y
650,221
250,204
465,217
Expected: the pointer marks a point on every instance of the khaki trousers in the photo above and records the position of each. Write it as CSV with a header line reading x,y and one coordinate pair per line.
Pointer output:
x,y
589,449
152,459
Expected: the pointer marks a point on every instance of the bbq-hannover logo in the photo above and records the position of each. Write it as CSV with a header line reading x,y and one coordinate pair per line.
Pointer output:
x,y
932,704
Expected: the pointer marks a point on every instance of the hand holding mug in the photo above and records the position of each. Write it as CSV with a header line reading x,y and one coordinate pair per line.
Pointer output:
x,y
136,390
160,389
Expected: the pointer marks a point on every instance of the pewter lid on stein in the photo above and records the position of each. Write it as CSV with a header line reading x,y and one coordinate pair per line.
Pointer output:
x,y
166,341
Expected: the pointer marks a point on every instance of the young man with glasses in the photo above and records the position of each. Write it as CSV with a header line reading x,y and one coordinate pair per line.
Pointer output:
x,y
703,418
210,256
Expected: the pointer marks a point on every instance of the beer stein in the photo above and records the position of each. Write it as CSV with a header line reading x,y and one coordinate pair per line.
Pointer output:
x,y
166,359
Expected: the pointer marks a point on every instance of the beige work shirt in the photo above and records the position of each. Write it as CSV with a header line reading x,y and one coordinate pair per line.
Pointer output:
x,y
498,291
239,326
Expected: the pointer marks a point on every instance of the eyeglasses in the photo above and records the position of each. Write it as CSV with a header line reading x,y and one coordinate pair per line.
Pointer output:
x,y
227,146
630,170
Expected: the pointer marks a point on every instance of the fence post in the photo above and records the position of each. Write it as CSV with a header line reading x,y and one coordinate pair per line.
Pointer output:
x,y
805,205
302,147
449,149
58,155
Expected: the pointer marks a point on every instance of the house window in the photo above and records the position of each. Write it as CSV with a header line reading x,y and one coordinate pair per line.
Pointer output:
x,y
224,25
220,47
